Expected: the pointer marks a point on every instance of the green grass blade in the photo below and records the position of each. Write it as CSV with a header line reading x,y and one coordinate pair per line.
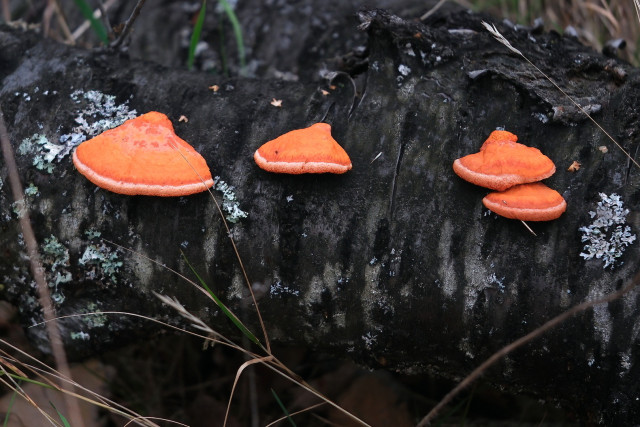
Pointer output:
x,y
9,408
29,380
237,32
284,409
195,37
62,418
223,307
96,25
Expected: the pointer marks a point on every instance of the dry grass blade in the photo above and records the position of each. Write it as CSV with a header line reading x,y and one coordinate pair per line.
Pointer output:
x,y
195,321
495,33
242,367
310,408
37,270
236,252
156,419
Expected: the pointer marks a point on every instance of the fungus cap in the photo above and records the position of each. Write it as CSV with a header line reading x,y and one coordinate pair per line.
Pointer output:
x,y
527,202
502,163
309,150
143,156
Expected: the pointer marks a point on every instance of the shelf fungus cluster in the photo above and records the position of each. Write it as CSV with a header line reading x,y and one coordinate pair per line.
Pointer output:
x,y
143,156
513,169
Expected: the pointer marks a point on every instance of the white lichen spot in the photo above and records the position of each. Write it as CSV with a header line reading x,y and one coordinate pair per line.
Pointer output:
x,y
404,70
370,339
230,204
278,289
625,364
408,50
542,117
607,236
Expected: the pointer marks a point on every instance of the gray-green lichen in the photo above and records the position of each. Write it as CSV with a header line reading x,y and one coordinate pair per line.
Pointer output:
x,y
102,257
230,204
99,113
31,190
55,258
607,236
93,317
80,336
44,152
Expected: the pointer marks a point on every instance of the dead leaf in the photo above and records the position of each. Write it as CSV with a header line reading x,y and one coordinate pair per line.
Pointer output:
x,y
276,102
574,166
324,92
183,118
603,149
214,88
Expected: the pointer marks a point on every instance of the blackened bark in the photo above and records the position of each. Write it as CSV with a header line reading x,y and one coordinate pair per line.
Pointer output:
x,y
395,263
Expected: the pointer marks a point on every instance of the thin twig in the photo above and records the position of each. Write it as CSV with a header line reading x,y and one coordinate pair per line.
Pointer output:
x,y
521,341
128,25
432,10
528,228
496,34
55,339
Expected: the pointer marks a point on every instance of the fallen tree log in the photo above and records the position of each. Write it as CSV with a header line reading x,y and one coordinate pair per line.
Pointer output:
x,y
395,263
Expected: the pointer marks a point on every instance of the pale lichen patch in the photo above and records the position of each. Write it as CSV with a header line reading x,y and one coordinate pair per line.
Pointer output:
x,y
607,236
103,260
230,204
55,259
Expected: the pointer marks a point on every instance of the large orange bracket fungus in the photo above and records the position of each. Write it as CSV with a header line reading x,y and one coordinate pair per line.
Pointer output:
x,y
527,202
504,164
143,156
309,150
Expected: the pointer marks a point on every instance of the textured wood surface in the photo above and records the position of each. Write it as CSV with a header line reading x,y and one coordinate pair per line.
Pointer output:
x,y
395,263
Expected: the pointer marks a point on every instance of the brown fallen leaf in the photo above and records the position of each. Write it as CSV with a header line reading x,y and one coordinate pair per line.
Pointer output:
x,y
574,166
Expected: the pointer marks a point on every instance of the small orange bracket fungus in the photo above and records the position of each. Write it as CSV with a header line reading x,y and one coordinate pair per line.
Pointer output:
x,y
502,163
309,150
143,156
527,202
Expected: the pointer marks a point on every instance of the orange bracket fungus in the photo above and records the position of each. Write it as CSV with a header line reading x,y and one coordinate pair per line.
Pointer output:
x,y
309,150
527,202
143,156
502,163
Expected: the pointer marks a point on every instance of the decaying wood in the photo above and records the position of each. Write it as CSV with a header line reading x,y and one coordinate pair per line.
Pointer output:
x,y
395,263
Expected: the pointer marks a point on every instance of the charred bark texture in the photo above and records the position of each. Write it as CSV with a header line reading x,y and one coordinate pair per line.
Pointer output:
x,y
395,263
